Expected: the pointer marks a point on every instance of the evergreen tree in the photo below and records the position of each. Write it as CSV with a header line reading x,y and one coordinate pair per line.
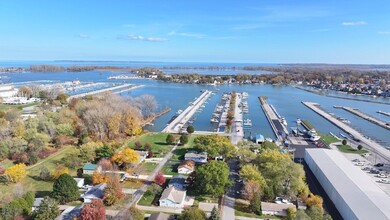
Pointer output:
x,y
255,204
65,189
47,210
214,214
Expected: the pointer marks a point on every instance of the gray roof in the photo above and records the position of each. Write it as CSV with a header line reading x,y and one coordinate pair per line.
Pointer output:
x,y
275,207
178,179
173,194
363,196
96,192
159,216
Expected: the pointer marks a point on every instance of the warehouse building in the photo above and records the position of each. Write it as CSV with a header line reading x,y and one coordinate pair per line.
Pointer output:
x,y
354,193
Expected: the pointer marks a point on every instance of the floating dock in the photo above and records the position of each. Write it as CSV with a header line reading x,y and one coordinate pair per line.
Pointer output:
x,y
176,125
237,131
369,118
370,145
384,113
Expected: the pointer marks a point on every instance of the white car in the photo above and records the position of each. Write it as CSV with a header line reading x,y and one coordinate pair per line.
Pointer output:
x,y
359,164
384,181
381,175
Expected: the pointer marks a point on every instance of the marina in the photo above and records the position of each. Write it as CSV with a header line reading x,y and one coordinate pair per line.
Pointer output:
x,y
178,124
115,89
368,143
273,119
369,118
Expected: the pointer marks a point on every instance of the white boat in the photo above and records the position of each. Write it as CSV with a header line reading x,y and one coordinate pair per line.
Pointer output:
x,y
315,138
247,122
244,95
284,121
299,121
214,120
179,112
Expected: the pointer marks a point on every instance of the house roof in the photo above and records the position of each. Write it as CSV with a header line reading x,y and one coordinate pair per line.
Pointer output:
x,y
189,164
70,213
142,153
159,216
194,154
173,194
259,137
96,192
275,207
79,180
89,166
178,179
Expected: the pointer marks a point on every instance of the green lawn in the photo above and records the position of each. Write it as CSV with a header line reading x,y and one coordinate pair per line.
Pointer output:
x,y
157,140
349,149
146,200
308,124
4,107
329,139
7,163
170,168
148,168
242,210
32,181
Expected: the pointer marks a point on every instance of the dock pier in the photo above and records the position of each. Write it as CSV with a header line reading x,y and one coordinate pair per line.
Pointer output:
x,y
120,88
369,144
176,125
369,118
271,116
384,113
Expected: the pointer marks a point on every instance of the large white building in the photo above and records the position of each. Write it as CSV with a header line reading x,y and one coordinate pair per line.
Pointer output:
x,y
354,193
7,91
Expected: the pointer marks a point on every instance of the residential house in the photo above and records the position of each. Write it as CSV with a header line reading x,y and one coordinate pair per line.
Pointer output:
x,y
142,155
172,198
79,181
70,213
187,167
269,208
178,181
159,216
90,168
96,192
197,157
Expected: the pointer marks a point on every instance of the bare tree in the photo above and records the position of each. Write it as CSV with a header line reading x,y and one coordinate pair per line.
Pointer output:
x,y
147,104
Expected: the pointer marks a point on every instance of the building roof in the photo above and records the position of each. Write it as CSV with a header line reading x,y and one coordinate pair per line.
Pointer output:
x,y
159,216
70,213
89,166
189,164
363,196
275,207
142,153
192,154
259,137
173,194
178,179
79,180
96,192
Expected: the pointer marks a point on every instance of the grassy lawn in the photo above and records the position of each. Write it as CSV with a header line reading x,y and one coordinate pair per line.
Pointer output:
x,y
132,184
349,149
146,200
241,209
148,168
32,181
157,140
308,124
4,107
7,163
329,139
170,168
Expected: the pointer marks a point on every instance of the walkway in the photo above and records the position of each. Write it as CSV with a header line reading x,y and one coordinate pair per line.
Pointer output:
x,y
369,144
176,125
237,131
367,117
124,87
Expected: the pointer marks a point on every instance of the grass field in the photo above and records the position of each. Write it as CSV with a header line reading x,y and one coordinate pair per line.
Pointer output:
x,y
241,209
4,107
148,168
329,139
146,200
349,149
157,140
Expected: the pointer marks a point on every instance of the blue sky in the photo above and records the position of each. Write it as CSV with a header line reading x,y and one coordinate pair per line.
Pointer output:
x,y
260,31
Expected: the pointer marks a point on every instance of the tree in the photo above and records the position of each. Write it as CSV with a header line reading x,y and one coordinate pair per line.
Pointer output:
x,y
192,213
314,200
65,129
190,129
301,215
160,179
344,142
212,178
92,211
125,157
16,173
170,139
215,145
113,192
59,171
135,214
359,147
104,152
214,215
250,188
65,189
291,212
147,104
47,210
138,144
251,172
63,98
183,139
315,213
98,178
255,204
148,146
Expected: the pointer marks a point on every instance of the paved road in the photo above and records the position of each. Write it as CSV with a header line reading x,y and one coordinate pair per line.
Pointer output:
x,y
138,194
231,193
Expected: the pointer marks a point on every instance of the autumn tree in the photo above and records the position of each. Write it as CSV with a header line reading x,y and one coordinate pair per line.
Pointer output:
x,y
251,172
92,211
215,145
313,200
212,178
47,210
113,191
192,213
160,179
59,171
125,157
251,187
65,189
45,174
147,104
170,139
98,178
16,173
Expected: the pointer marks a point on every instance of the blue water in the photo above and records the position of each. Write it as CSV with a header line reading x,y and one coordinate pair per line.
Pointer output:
x,y
286,99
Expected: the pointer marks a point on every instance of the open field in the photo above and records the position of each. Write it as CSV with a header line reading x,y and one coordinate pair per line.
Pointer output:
x,y
4,107
329,139
349,149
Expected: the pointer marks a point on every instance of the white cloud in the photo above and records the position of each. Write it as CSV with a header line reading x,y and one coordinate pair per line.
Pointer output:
x,y
83,36
184,34
354,23
142,38
384,32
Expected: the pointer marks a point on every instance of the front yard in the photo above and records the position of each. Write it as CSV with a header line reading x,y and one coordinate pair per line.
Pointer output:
x,y
157,142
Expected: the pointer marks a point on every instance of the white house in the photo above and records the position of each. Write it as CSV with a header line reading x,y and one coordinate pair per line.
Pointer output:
x,y
79,181
269,208
142,155
197,157
187,167
172,198
96,192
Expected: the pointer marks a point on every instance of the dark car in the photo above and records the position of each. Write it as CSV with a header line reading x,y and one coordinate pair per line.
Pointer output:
x,y
379,165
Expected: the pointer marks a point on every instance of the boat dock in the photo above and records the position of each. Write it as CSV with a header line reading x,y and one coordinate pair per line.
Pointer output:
x,y
176,125
369,144
237,131
384,113
369,118
116,89
272,118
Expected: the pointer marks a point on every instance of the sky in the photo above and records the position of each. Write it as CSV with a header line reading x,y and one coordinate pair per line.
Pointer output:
x,y
245,31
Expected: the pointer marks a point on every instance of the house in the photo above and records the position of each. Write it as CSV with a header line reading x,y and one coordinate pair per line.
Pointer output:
x,y
269,208
178,181
197,157
96,192
259,139
159,216
142,155
70,213
79,181
172,198
37,203
90,168
187,167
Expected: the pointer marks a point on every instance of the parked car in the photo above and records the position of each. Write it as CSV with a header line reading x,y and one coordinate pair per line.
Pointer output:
x,y
381,175
384,181
374,171
366,168
359,164
379,165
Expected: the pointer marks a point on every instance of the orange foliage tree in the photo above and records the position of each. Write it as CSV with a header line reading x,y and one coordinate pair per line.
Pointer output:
x,y
59,171
16,172
125,157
